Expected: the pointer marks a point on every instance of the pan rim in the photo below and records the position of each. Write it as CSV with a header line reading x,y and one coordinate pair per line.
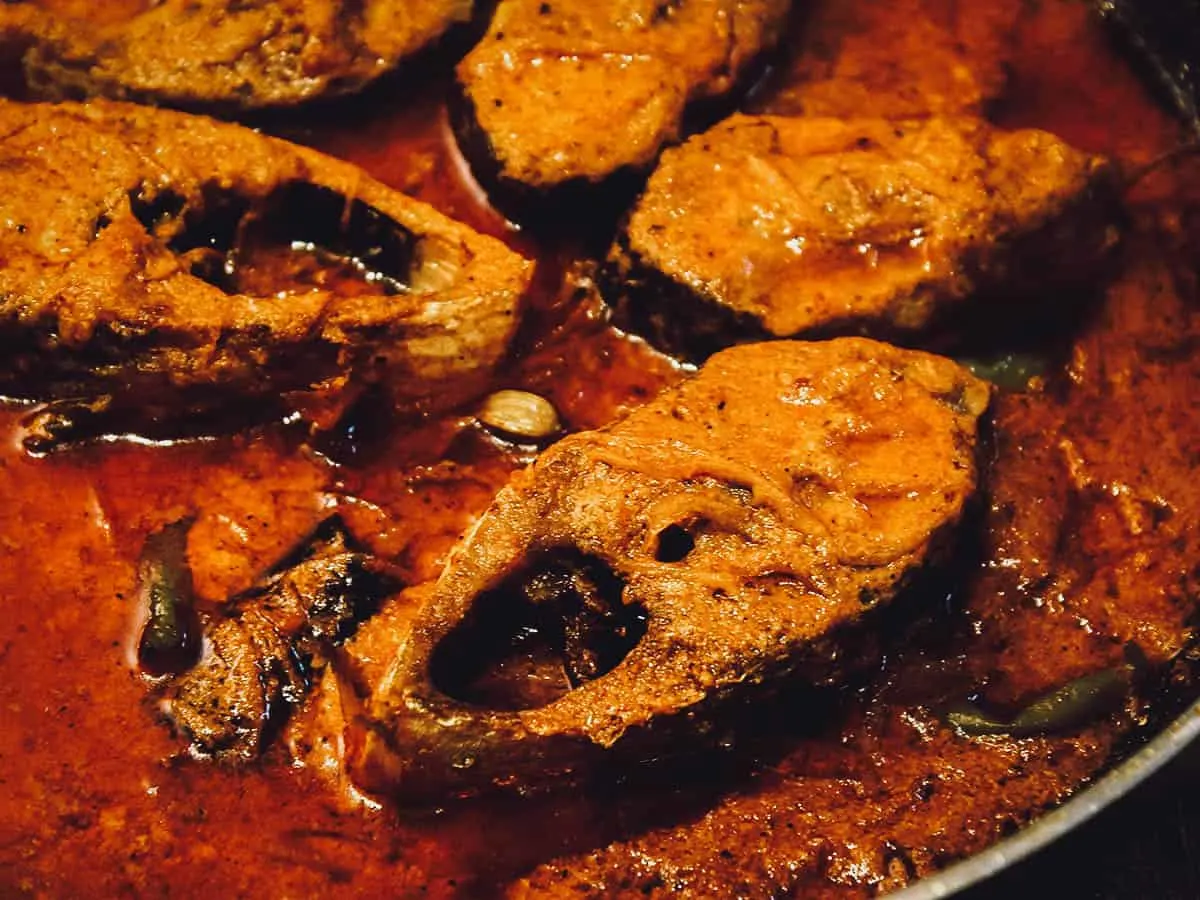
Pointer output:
x,y
1045,830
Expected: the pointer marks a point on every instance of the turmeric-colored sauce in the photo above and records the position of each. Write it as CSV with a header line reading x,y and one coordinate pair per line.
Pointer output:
x,y
1090,540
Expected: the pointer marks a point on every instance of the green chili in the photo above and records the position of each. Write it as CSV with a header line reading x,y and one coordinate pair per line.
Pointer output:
x,y
1010,372
170,640
1065,708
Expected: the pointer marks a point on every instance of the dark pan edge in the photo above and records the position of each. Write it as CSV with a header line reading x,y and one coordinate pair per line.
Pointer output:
x,y
1079,809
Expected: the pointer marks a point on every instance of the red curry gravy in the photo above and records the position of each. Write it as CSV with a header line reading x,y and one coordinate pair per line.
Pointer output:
x,y
1089,554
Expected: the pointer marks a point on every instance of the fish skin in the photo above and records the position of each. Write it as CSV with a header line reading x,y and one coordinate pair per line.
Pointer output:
x,y
100,293
559,98
767,226
816,479
242,56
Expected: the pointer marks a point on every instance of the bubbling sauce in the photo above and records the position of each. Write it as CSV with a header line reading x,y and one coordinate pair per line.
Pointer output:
x,y
1087,558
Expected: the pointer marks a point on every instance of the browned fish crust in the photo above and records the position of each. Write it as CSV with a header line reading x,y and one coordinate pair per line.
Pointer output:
x,y
218,52
778,227
145,277
561,97
753,515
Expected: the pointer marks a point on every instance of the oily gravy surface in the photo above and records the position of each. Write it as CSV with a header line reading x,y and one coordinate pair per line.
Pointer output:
x,y
1088,555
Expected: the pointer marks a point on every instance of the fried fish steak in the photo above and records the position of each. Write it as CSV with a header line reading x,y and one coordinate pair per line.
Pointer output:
x,y
202,52
572,92
263,649
175,263
727,535
779,227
